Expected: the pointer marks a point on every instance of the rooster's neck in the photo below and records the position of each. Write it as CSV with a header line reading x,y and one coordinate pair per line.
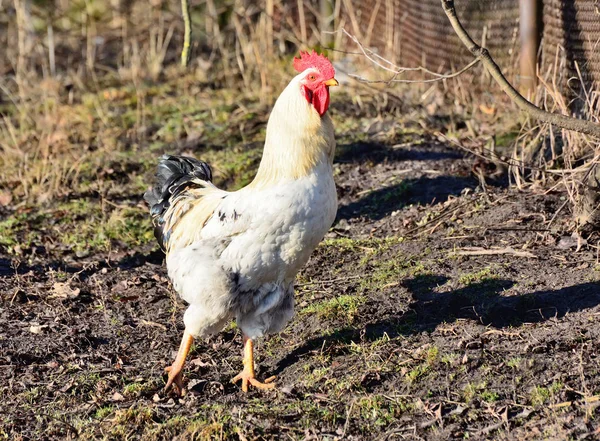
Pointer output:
x,y
298,140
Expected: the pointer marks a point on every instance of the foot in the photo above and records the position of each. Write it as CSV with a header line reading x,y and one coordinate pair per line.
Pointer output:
x,y
248,378
175,380
247,374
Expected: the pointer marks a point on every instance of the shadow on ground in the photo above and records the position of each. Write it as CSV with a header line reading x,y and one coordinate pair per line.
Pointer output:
x,y
480,301
380,203
374,153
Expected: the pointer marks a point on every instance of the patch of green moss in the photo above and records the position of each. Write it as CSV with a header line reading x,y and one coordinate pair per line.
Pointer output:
x,y
417,373
342,306
540,394
478,276
387,273
104,412
22,229
130,226
377,411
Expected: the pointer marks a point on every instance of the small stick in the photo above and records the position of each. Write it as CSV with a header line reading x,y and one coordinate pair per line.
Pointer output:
x,y
302,17
494,251
187,35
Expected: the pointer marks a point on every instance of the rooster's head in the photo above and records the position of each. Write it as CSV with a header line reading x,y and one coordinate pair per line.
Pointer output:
x,y
318,77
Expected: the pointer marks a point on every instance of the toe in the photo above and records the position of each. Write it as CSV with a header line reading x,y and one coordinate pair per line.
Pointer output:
x,y
264,386
237,378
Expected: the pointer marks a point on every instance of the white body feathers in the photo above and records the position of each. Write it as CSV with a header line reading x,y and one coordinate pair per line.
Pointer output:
x,y
236,255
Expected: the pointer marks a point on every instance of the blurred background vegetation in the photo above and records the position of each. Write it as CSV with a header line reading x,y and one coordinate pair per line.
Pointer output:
x,y
92,91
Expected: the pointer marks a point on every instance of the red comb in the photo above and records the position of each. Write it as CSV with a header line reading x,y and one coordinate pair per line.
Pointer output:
x,y
315,60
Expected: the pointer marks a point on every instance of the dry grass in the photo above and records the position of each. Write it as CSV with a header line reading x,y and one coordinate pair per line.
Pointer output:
x,y
72,67
548,157
71,72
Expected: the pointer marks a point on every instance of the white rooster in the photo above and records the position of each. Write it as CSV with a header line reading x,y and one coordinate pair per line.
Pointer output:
x,y
236,254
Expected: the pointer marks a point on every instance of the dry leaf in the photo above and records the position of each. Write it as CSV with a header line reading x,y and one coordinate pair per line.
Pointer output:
x,y
198,362
36,329
487,110
61,290
5,198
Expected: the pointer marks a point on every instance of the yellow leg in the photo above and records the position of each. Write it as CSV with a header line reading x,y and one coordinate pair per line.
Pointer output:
x,y
175,375
247,375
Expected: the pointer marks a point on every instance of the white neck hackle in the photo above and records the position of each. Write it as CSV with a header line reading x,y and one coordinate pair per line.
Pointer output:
x,y
298,139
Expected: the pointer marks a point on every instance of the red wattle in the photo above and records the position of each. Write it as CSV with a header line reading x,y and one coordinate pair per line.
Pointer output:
x,y
308,94
321,99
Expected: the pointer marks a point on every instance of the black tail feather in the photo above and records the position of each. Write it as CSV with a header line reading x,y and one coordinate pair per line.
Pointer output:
x,y
173,175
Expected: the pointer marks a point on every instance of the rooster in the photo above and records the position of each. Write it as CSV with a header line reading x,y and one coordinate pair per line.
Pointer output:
x,y
235,255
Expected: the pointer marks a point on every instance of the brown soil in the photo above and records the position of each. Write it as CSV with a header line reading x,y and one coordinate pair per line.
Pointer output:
x,y
398,334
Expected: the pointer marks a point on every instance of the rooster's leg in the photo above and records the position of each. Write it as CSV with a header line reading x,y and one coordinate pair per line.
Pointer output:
x,y
247,374
175,375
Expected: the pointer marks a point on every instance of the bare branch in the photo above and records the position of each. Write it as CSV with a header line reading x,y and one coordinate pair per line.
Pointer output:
x,y
389,66
481,53
431,80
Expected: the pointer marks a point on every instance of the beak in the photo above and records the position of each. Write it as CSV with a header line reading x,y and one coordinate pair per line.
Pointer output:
x,y
331,82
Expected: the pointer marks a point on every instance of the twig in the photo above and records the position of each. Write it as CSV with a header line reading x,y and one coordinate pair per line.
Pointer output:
x,y
387,65
431,230
347,422
528,230
557,212
481,53
187,35
302,17
445,212
439,77
476,251
586,400
149,323
323,282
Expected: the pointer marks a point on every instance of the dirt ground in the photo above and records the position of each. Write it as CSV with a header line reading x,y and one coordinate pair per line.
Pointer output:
x,y
434,309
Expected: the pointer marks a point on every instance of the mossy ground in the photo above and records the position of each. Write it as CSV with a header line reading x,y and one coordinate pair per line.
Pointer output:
x,y
396,334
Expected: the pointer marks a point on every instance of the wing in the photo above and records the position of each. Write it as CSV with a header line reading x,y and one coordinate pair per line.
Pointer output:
x,y
205,213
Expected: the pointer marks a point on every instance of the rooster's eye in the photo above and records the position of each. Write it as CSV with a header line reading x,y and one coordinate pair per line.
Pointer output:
x,y
312,77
